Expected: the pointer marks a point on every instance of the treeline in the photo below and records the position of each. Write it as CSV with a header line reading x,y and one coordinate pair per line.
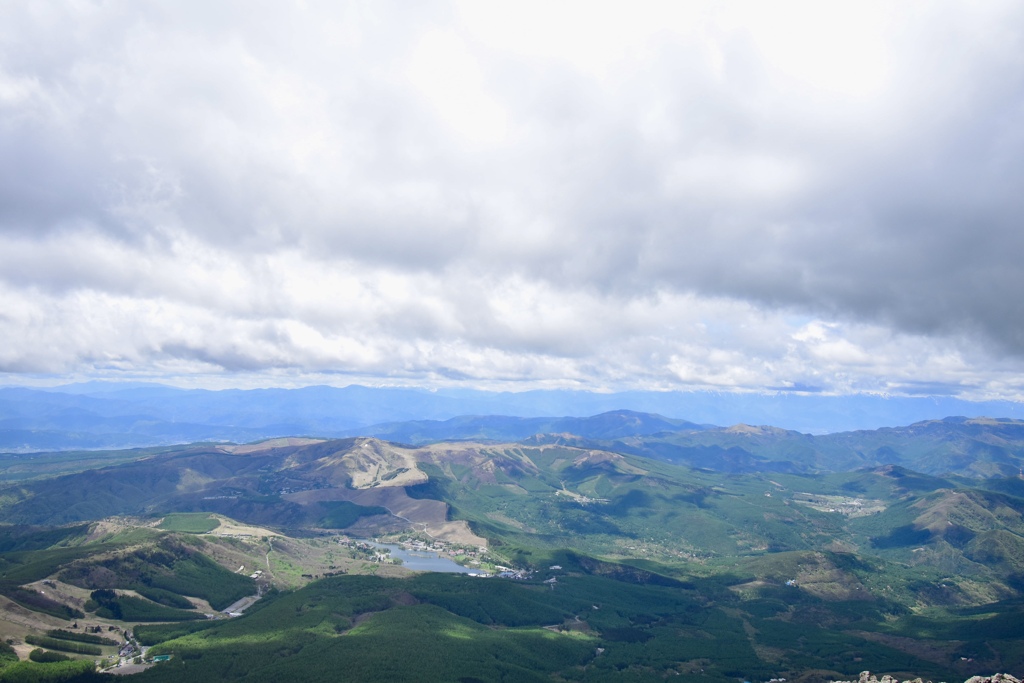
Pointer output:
x,y
37,602
80,637
152,634
73,671
46,657
23,537
164,573
25,566
342,514
63,645
164,597
110,605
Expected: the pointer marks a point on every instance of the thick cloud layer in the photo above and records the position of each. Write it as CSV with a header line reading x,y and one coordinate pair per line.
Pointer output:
x,y
800,196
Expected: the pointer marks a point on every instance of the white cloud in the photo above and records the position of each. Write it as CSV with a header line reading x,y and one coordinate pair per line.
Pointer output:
x,y
581,194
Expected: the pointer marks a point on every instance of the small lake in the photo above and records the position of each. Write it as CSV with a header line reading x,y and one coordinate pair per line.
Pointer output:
x,y
425,561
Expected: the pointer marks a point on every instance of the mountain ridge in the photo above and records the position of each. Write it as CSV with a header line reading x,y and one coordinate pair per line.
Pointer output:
x,y
123,415
963,446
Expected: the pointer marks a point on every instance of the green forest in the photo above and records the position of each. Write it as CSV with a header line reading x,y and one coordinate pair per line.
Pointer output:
x,y
584,564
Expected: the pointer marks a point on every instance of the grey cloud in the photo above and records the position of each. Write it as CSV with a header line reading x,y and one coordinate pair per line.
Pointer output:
x,y
920,231
193,145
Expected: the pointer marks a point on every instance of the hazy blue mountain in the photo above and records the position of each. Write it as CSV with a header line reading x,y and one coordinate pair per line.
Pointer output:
x,y
611,425
971,447
109,415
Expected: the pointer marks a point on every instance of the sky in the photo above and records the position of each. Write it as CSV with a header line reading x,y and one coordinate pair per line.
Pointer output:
x,y
752,197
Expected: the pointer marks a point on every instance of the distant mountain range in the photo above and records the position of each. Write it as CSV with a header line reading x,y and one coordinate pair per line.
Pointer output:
x,y
103,415
969,447
615,424
977,448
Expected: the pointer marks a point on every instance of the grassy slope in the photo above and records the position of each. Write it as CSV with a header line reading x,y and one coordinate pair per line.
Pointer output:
x,y
189,522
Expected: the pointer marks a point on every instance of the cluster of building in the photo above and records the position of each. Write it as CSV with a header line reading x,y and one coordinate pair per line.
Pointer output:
x,y
441,547
510,573
303,487
468,555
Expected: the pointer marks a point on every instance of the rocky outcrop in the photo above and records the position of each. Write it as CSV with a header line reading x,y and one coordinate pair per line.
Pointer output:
x,y
868,677
995,678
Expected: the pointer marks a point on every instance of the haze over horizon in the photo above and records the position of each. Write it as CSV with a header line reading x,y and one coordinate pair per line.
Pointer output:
x,y
729,197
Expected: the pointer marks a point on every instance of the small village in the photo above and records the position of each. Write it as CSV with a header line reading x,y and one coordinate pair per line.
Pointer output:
x,y
844,505
480,562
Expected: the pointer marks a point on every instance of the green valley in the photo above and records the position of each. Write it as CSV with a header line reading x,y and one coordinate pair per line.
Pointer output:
x,y
590,561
